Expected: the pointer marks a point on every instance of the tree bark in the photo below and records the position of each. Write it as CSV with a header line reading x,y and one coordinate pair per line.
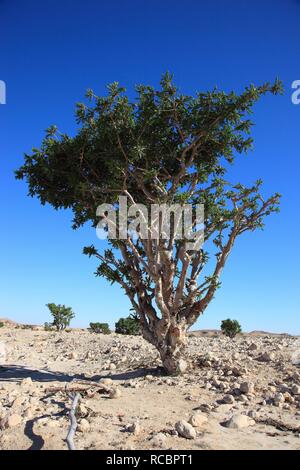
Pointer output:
x,y
172,349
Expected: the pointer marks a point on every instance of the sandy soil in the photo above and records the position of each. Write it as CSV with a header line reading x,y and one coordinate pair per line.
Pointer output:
x,y
238,394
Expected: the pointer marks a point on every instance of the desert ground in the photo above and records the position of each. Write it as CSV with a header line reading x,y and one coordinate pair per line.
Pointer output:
x,y
237,394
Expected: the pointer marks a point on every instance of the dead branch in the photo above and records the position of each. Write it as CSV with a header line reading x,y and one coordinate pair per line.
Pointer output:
x,y
73,425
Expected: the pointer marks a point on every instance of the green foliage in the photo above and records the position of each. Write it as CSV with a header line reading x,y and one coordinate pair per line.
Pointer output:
x,y
27,327
1,324
100,328
62,315
128,326
142,144
230,328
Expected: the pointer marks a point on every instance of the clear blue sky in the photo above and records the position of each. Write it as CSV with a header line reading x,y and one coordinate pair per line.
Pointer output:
x,y
52,51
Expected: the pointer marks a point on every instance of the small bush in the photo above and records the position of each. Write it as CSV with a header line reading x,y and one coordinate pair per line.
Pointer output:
x,y
128,326
230,328
100,328
27,327
1,324
62,316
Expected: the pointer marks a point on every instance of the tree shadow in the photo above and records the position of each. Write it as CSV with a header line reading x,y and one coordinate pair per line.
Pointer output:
x,y
16,373
37,440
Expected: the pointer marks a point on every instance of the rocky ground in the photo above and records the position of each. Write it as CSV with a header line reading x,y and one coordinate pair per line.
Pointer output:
x,y
238,394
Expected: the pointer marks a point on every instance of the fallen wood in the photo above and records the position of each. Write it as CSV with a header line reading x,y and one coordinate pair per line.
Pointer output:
x,y
73,425
82,386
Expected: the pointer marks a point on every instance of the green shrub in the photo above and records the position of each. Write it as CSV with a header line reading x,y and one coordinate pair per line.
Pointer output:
x,y
27,327
62,315
1,324
100,328
230,328
128,326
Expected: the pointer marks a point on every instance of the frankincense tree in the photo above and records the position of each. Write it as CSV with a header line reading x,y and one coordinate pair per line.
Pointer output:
x,y
162,147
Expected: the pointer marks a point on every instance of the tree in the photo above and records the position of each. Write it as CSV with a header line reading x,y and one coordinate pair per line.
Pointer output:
x,y
163,147
62,316
128,326
230,328
100,328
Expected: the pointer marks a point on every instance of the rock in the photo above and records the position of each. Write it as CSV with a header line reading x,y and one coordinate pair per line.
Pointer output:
x,y
228,399
115,393
18,402
266,357
239,421
13,420
182,366
237,372
149,378
112,366
106,381
159,440
253,347
134,428
198,419
26,382
247,387
278,399
82,410
73,355
295,389
84,425
185,429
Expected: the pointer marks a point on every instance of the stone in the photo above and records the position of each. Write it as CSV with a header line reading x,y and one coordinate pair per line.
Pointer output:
x,y
84,425
239,421
182,366
159,440
115,393
73,355
295,389
198,419
149,378
228,399
13,420
237,372
26,382
266,357
134,428
278,399
185,429
112,366
253,347
247,387
106,381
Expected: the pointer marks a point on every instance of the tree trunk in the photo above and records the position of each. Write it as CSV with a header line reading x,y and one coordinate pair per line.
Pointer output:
x,y
172,350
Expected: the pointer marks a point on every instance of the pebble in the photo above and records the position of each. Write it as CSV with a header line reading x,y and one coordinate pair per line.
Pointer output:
x,y
185,429
159,440
198,419
239,421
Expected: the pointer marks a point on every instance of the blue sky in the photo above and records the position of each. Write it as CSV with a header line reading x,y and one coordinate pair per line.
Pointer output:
x,y
52,51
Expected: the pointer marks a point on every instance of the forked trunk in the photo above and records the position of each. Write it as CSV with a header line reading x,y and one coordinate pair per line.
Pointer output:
x,y
172,350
